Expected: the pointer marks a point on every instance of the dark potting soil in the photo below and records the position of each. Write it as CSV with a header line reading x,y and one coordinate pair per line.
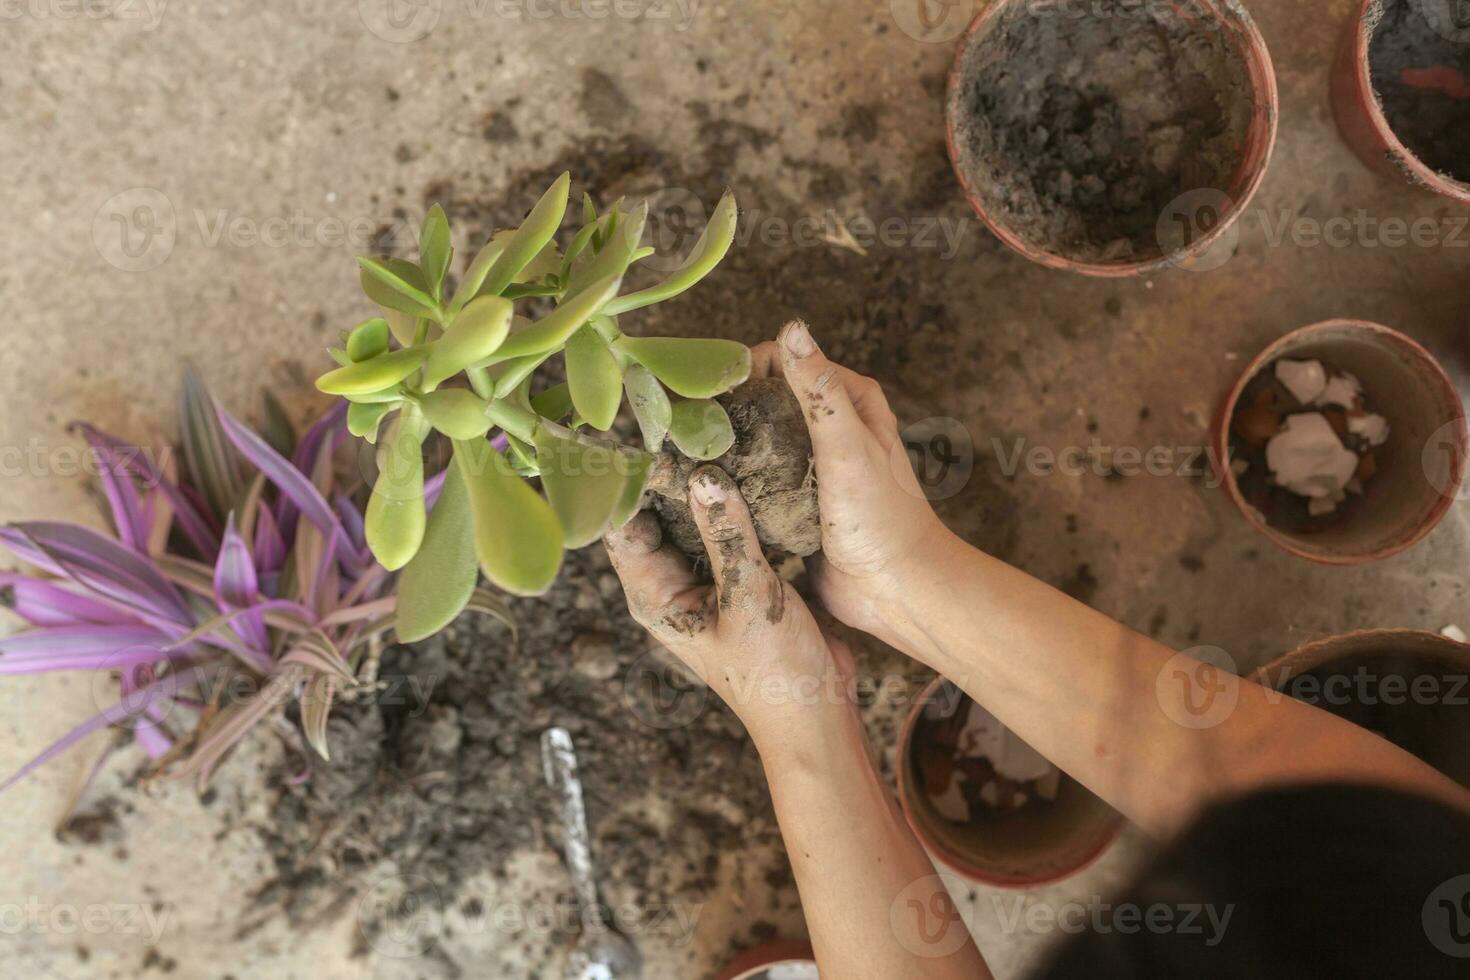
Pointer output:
x,y
1077,131
1421,74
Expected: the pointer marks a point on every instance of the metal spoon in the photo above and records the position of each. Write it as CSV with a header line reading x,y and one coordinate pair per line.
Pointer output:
x,y
601,953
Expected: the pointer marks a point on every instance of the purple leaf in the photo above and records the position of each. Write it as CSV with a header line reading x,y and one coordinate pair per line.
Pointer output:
x,y
42,603
235,722
214,466
432,488
152,737
98,563
196,528
134,704
60,640
293,483
236,587
122,495
317,653
323,436
270,549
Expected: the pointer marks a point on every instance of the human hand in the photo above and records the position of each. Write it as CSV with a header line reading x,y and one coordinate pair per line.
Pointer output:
x,y
877,525
749,636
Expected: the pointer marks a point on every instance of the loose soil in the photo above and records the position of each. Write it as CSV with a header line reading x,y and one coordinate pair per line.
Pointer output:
x,y
1076,132
1422,79
771,463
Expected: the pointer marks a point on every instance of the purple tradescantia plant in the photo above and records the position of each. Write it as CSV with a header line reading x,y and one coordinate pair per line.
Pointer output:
x,y
224,592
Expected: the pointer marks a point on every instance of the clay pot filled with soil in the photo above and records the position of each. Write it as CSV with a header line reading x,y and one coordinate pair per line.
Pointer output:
x,y
1343,442
785,959
1411,687
986,804
1111,138
771,463
1401,92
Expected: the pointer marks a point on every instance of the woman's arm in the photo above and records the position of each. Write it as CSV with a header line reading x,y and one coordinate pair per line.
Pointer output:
x,y
1156,734
755,643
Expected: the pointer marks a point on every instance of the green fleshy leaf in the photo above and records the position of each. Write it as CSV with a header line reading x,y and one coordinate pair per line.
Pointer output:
x,y
553,330
209,454
363,419
368,339
615,256
403,326
584,483
457,413
694,368
529,239
650,405
518,539
546,262
437,584
389,396
707,252
701,429
487,603
555,403
404,286
474,335
435,251
639,469
522,455
589,209
595,380
367,377
474,276
339,355
395,516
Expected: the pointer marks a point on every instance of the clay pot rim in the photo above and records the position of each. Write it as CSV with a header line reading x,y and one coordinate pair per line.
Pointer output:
x,y
907,790
1266,111
777,952
1257,520
1417,170
1316,653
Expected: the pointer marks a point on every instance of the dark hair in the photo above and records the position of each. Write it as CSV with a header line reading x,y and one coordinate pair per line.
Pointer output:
x,y
1321,881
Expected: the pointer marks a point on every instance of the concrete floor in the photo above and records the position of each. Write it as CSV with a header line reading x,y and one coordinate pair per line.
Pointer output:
x,y
174,121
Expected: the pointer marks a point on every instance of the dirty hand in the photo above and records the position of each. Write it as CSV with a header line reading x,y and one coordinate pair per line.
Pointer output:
x,y
877,525
749,636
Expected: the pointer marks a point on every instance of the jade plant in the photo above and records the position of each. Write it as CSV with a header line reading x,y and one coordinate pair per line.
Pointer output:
x,y
463,363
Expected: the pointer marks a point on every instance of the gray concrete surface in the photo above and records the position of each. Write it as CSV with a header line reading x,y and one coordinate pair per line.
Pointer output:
x,y
194,128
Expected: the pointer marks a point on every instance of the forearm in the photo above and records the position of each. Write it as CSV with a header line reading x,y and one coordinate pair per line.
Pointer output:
x,y
1113,708
855,858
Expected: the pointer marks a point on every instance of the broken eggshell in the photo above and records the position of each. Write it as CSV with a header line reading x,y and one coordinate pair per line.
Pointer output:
x,y
1308,458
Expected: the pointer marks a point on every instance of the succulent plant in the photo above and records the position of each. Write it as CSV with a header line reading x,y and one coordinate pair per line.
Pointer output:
x,y
222,593
463,363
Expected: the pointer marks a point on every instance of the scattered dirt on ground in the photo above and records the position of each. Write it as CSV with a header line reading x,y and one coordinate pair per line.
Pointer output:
x,y
1078,130
1422,78
771,462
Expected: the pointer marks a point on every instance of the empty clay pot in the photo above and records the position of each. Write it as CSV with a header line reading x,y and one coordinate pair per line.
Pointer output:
x,y
1030,846
1438,72
1410,686
1419,469
1064,128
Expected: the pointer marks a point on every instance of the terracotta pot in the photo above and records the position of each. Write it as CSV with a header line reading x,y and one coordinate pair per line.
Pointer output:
x,y
1360,117
1434,724
1030,847
1224,206
1420,468
789,953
